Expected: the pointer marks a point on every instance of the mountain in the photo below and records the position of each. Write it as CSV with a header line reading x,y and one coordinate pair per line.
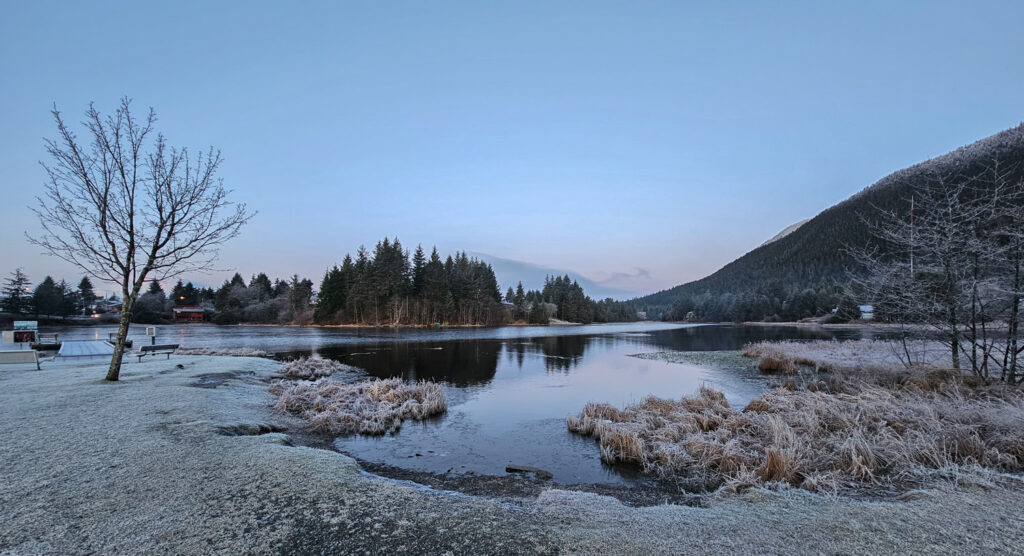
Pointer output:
x,y
810,260
786,231
510,272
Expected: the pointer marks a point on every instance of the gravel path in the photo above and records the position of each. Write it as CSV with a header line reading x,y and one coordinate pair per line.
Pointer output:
x,y
169,460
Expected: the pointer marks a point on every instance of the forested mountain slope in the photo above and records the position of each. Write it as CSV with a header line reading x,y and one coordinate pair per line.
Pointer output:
x,y
798,274
788,230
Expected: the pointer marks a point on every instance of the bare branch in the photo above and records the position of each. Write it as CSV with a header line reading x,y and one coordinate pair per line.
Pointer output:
x,y
126,208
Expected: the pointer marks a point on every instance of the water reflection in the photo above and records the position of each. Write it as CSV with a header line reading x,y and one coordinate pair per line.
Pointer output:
x,y
459,363
465,363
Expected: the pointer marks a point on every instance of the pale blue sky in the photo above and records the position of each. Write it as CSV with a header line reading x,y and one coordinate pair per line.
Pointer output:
x,y
596,137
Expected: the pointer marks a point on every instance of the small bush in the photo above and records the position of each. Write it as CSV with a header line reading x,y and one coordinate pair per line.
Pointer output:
x,y
773,365
371,407
313,367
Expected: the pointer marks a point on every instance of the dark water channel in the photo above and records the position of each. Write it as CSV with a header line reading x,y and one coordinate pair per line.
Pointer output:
x,y
509,389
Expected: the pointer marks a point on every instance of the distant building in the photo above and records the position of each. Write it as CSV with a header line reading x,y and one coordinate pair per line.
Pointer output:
x,y
867,312
189,314
642,315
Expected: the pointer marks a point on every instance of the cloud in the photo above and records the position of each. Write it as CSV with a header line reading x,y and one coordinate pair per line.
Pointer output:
x,y
638,281
618,285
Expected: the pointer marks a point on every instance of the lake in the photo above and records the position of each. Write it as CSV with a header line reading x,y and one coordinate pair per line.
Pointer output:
x,y
509,389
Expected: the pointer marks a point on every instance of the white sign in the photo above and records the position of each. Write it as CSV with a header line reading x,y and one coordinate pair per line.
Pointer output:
x,y
26,325
150,331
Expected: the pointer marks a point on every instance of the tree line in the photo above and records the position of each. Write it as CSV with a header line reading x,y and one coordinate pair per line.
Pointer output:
x,y
564,299
770,302
259,301
235,301
386,286
49,297
262,301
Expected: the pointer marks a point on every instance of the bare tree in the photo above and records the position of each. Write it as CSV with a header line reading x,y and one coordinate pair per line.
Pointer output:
x,y
126,208
953,263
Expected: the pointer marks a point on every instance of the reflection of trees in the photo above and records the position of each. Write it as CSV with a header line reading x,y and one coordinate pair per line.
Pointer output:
x,y
461,363
471,362
564,353
560,353
517,349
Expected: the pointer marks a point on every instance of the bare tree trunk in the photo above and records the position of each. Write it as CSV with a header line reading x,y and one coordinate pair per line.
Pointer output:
x,y
973,325
1011,340
122,335
954,339
906,348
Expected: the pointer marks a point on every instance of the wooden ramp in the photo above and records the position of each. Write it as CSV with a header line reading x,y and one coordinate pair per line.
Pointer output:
x,y
84,348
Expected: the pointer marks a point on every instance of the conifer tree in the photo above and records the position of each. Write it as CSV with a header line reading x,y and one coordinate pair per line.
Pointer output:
x,y
419,263
16,297
47,298
260,284
86,294
70,302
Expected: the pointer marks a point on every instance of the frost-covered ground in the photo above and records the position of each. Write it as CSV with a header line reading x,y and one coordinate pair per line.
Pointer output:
x,y
171,460
854,355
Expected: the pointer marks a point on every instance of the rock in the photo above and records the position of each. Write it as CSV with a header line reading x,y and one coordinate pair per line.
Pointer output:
x,y
539,473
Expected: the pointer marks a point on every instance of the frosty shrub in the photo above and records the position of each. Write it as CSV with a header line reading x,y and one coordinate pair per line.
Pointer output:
x,y
818,437
313,367
371,407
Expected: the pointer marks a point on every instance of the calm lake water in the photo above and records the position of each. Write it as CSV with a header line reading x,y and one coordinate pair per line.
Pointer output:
x,y
509,389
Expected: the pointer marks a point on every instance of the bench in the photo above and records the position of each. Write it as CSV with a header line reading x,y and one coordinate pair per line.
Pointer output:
x,y
112,338
20,356
153,350
47,341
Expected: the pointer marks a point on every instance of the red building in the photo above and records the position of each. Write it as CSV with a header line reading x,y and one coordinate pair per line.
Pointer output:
x,y
189,314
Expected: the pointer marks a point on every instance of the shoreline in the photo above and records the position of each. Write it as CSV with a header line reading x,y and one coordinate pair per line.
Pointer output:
x,y
177,457
352,326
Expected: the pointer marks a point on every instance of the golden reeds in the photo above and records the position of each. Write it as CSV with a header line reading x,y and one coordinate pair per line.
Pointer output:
x,y
817,438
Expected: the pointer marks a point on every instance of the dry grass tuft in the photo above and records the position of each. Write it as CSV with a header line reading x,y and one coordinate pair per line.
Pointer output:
x,y
758,405
227,352
313,367
776,365
370,407
861,356
897,428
